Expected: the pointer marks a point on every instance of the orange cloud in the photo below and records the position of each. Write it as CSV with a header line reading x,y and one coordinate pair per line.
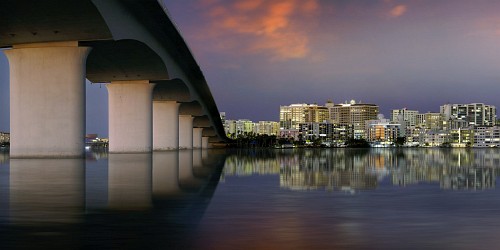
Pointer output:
x,y
398,11
248,5
270,27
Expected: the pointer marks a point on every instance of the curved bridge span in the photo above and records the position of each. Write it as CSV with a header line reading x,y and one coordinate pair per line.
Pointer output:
x,y
158,96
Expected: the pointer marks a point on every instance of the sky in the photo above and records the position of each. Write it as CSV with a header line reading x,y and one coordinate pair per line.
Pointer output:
x,y
259,54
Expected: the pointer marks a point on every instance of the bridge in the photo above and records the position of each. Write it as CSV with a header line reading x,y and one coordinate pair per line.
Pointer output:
x,y
158,96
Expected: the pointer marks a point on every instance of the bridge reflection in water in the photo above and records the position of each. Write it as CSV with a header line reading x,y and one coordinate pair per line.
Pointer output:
x,y
253,199
105,201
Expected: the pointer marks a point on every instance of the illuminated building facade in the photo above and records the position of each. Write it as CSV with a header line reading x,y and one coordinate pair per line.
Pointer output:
x,y
382,132
328,133
355,114
238,127
4,137
409,117
291,116
486,136
267,128
476,114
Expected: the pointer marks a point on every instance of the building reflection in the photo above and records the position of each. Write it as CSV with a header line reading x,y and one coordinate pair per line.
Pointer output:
x,y
353,170
4,156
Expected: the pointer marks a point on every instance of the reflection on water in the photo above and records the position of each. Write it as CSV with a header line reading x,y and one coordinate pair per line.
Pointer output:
x,y
404,199
46,190
106,201
129,181
267,199
362,169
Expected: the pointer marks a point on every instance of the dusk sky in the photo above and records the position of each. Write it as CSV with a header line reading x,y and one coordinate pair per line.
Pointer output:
x,y
259,54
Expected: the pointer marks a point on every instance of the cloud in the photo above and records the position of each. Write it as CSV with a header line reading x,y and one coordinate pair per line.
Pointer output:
x,y
398,10
272,28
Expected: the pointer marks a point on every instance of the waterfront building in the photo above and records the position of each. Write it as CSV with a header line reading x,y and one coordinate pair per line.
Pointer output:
x,y
328,134
355,114
238,127
433,121
267,128
4,138
461,137
453,124
382,132
223,117
475,114
292,115
486,136
435,138
404,115
413,135
289,134
420,120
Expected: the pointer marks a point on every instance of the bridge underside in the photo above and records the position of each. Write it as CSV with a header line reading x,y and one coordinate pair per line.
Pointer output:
x,y
130,44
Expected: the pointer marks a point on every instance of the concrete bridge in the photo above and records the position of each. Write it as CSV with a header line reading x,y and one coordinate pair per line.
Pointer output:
x,y
158,96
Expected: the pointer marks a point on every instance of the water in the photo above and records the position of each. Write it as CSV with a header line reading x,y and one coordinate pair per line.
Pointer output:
x,y
254,199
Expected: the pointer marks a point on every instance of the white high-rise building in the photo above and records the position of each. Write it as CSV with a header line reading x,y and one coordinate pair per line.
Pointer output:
x,y
409,117
238,127
476,114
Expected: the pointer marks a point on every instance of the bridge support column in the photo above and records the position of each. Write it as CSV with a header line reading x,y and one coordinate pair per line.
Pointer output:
x,y
165,125
130,116
204,142
47,99
197,132
185,131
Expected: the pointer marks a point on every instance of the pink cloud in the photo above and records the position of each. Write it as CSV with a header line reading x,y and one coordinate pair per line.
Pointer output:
x,y
398,10
257,26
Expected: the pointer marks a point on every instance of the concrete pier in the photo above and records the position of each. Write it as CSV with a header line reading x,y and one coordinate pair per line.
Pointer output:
x,y
130,116
185,132
197,138
47,99
204,142
165,125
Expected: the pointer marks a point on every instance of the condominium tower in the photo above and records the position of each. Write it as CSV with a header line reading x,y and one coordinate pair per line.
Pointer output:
x,y
293,115
476,114
409,117
354,113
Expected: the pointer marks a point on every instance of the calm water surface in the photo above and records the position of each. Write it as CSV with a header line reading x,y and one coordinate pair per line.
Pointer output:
x,y
254,199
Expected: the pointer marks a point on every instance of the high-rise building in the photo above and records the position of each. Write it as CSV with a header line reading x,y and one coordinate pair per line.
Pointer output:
x,y
355,114
476,114
267,128
223,117
433,121
291,116
328,133
421,120
238,127
382,132
409,117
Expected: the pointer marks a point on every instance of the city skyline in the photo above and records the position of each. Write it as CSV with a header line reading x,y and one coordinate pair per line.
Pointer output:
x,y
261,54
